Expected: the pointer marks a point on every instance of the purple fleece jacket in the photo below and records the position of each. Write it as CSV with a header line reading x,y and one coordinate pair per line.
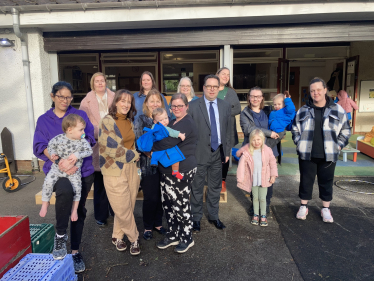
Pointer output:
x,y
49,126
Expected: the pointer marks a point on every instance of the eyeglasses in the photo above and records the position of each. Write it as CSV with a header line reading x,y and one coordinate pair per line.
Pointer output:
x,y
62,98
255,97
209,87
173,107
185,86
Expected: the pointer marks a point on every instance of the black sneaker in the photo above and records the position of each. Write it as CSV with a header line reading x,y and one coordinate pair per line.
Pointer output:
x,y
163,244
101,223
183,247
59,248
79,265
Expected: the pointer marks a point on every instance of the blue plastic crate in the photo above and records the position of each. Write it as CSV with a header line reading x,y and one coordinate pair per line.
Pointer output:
x,y
42,267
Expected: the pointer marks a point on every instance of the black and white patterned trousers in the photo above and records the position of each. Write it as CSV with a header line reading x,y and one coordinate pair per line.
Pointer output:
x,y
175,196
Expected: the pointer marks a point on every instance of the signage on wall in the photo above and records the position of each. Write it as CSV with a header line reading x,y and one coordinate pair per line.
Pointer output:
x,y
366,96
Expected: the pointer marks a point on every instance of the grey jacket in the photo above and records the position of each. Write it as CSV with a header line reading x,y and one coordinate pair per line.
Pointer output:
x,y
232,99
248,125
199,113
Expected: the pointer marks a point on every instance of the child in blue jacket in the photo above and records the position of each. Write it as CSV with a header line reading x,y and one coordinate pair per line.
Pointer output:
x,y
281,118
159,131
284,112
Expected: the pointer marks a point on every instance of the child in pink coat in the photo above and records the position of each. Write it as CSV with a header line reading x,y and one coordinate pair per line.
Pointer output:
x,y
257,171
347,104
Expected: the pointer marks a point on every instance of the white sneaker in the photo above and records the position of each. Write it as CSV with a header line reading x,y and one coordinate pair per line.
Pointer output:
x,y
326,215
302,213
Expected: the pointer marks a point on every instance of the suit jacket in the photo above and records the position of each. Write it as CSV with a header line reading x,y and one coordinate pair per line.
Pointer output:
x,y
199,112
90,105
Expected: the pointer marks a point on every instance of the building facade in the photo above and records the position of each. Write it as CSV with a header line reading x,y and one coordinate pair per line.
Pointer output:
x,y
275,46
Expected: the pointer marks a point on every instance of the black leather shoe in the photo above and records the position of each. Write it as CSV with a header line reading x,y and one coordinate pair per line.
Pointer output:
x,y
218,224
196,226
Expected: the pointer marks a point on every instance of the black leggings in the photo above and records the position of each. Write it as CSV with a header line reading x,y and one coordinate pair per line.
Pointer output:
x,y
152,204
64,201
324,171
101,202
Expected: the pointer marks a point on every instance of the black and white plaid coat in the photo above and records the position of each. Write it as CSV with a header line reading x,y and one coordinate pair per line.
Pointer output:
x,y
336,131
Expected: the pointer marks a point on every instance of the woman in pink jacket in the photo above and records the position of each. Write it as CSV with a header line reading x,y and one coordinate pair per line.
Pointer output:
x,y
257,171
96,104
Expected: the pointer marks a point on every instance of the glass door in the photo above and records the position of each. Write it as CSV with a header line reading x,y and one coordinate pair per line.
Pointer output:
x,y
283,75
351,77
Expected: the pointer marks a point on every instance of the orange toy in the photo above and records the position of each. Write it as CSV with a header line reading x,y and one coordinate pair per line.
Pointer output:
x,y
369,136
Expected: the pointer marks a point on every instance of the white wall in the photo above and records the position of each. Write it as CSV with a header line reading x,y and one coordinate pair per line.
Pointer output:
x,y
13,114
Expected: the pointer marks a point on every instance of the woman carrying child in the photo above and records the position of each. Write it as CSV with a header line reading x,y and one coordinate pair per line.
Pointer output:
x,y
256,116
150,182
117,163
176,192
256,172
48,126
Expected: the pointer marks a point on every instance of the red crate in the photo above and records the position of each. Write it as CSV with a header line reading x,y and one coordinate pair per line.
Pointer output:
x,y
15,241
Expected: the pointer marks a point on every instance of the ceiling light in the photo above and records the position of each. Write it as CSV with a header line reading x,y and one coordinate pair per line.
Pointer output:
x,y
168,55
5,42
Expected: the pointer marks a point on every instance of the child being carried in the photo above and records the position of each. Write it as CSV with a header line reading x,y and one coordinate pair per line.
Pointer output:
x,y
156,133
72,146
281,118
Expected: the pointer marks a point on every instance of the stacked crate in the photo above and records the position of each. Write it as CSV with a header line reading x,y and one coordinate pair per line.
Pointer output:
x,y
42,237
42,267
15,241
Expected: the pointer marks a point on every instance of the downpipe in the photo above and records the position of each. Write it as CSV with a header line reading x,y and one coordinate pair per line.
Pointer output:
x,y
27,78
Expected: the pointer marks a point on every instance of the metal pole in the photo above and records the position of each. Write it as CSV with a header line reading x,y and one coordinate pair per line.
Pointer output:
x,y
27,78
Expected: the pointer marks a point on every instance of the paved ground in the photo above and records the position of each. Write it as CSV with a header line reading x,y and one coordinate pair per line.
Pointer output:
x,y
286,250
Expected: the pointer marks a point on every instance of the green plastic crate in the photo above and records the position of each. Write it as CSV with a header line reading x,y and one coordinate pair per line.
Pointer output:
x,y
42,237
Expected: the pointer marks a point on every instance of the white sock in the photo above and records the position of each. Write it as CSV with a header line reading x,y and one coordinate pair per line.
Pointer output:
x,y
60,236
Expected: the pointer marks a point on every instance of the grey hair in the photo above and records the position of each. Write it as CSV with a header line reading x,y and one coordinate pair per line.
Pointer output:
x,y
189,80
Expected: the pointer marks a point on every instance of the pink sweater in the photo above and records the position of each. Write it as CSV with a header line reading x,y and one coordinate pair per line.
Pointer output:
x,y
346,102
244,173
90,105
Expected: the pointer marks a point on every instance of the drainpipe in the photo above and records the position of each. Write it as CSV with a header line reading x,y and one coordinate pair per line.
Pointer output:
x,y
26,71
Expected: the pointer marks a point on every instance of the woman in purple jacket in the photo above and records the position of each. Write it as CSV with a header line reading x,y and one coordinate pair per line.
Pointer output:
x,y
48,126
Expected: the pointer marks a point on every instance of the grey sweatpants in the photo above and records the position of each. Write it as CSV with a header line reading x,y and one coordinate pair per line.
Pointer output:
x,y
54,175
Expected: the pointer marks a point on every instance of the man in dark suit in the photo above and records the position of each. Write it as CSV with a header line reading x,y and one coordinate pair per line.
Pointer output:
x,y
212,117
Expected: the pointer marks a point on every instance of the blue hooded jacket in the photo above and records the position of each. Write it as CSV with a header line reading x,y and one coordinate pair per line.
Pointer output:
x,y
282,119
165,157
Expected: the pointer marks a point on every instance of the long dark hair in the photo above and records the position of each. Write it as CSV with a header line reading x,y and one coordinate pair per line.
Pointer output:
x,y
117,97
59,86
152,78
219,71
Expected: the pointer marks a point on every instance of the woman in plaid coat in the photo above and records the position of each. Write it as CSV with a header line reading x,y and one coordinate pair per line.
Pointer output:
x,y
320,131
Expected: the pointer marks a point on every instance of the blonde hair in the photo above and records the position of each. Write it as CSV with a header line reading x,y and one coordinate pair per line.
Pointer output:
x,y
152,92
256,132
157,112
279,96
93,79
70,121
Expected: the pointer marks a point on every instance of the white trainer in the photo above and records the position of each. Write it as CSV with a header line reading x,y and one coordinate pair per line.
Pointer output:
x,y
302,213
326,215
